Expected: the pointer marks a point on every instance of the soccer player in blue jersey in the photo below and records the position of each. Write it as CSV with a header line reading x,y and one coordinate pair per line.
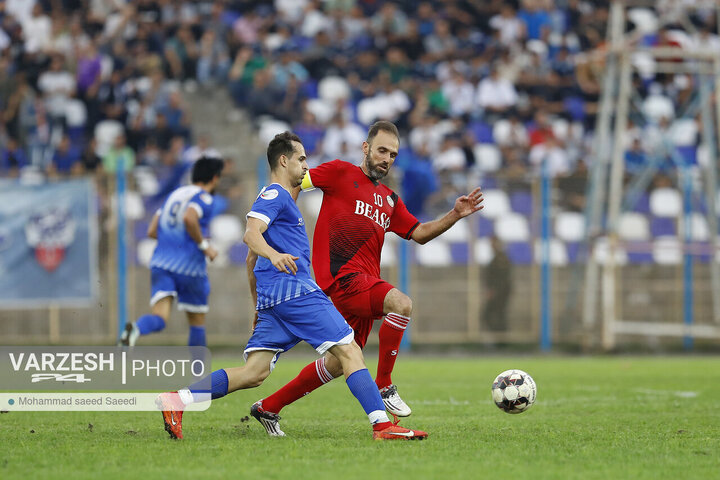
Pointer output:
x,y
178,265
291,306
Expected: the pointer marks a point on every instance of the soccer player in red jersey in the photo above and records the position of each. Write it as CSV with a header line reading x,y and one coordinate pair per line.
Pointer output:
x,y
356,212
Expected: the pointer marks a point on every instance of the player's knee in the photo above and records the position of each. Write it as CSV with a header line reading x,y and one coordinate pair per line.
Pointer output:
x,y
333,366
403,306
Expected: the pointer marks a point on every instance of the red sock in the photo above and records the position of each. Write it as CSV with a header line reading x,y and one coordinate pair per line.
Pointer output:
x,y
311,377
391,332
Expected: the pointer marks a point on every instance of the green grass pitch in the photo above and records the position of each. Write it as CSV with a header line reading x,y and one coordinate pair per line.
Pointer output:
x,y
595,418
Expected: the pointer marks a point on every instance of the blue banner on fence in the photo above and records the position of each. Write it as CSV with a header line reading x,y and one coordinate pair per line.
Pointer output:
x,y
48,244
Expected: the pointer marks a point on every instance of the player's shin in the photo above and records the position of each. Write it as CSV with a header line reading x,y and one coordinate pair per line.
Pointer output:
x,y
149,324
198,391
311,377
390,336
364,389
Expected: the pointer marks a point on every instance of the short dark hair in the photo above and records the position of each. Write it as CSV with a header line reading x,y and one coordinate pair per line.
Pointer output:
x,y
383,125
206,168
280,145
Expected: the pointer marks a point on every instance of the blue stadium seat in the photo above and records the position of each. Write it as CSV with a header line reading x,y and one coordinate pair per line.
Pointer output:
x,y
238,253
482,131
486,227
573,251
520,253
521,202
688,154
642,205
662,226
460,253
639,252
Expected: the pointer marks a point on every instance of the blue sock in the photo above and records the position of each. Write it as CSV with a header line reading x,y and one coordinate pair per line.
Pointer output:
x,y
150,323
218,387
197,337
363,387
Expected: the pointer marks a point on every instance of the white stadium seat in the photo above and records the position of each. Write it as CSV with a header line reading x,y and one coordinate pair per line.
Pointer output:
x,y
656,107
145,249
512,227
483,251
389,256
225,231
633,227
458,232
570,226
487,157
270,127
700,231
667,251
684,132
134,207
333,87
433,254
501,131
665,202
645,19
558,252
496,203
561,128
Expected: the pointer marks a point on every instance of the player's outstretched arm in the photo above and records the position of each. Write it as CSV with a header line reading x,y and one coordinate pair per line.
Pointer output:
x,y
464,206
254,239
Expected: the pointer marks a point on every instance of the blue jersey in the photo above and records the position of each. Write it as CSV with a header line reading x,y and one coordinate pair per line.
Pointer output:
x,y
176,251
286,234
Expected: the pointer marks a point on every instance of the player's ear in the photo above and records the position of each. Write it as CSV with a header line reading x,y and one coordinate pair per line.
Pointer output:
x,y
366,147
283,161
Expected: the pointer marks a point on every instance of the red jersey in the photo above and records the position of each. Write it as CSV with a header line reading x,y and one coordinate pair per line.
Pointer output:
x,y
355,214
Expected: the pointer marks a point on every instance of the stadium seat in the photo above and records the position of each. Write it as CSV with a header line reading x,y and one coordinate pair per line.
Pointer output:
x,y
146,181
642,204
601,252
656,107
487,157
460,253
458,232
323,110
660,226
665,202
667,251
639,253
558,252
522,202
483,251
570,226
496,203
134,206
512,227
144,251
688,154
388,257
683,132
333,88
633,227
644,19
482,132
485,226
700,231
269,127
226,230
519,253
501,131
561,128
433,254
238,253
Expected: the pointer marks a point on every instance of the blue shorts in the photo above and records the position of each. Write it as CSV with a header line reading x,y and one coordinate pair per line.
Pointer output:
x,y
312,318
191,292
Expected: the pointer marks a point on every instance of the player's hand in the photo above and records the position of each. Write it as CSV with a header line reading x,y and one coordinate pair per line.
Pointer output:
x,y
285,263
255,320
211,253
469,203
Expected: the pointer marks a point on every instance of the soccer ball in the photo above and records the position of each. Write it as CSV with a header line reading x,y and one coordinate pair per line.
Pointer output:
x,y
514,391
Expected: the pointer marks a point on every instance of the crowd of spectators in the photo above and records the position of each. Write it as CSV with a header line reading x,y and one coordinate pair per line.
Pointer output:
x,y
87,83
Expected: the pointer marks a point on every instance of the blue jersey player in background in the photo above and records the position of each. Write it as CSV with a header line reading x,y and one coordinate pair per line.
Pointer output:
x,y
178,265
291,307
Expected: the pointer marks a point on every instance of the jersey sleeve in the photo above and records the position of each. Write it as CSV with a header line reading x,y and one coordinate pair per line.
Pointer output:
x,y
267,206
202,204
325,176
402,222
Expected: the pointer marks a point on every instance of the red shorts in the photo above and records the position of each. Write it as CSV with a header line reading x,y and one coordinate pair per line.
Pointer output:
x,y
359,298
